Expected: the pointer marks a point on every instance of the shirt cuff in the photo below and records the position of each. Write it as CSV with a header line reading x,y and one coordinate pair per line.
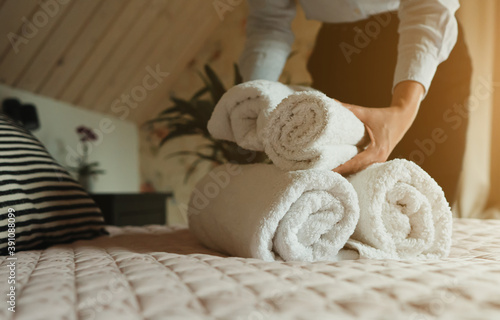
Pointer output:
x,y
416,66
263,59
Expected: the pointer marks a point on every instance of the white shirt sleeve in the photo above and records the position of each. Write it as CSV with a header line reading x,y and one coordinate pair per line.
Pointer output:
x,y
428,32
269,39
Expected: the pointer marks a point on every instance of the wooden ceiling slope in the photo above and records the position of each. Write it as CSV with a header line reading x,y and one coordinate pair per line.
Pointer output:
x,y
92,52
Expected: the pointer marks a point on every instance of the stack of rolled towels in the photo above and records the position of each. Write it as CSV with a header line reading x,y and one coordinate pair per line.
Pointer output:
x,y
298,209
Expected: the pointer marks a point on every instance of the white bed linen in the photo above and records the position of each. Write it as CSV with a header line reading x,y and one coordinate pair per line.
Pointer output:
x,y
163,273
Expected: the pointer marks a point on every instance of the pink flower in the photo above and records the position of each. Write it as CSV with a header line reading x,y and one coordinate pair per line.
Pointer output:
x,y
86,134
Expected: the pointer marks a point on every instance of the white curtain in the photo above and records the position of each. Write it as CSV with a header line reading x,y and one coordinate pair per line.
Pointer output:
x,y
494,199
478,20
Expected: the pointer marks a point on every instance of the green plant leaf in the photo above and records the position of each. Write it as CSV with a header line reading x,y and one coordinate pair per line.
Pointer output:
x,y
95,172
292,54
177,134
185,107
237,75
206,146
190,117
205,109
93,164
198,94
170,110
204,79
181,153
192,167
192,153
216,87
164,118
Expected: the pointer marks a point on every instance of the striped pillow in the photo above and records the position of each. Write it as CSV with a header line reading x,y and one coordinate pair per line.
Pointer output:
x,y
40,204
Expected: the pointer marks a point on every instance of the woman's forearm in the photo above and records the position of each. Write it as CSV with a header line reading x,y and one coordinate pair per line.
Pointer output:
x,y
408,94
406,98
269,39
385,126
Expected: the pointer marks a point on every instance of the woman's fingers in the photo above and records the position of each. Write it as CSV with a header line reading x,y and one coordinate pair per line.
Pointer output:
x,y
372,154
361,161
359,112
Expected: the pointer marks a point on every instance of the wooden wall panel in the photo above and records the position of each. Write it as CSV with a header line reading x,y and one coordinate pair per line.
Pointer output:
x,y
122,52
91,52
15,63
166,54
123,77
81,48
53,49
11,14
169,47
160,99
104,51
494,198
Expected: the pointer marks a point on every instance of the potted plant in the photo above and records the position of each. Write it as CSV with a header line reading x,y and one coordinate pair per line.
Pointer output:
x,y
84,169
190,118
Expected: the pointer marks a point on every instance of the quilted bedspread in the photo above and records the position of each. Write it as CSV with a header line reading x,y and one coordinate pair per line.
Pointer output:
x,y
158,272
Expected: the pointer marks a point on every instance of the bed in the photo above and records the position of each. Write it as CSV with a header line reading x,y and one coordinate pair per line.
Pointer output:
x,y
160,272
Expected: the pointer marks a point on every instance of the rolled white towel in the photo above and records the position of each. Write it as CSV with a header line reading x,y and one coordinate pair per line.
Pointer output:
x,y
241,113
403,213
310,130
259,211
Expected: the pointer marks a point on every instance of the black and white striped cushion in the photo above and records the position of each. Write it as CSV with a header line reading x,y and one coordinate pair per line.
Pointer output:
x,y
49,206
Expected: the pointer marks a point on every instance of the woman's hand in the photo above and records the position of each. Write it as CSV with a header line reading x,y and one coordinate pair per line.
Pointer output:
x,y
385,126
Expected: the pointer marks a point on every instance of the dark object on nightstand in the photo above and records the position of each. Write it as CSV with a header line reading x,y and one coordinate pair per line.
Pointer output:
x,y
133,209
24,113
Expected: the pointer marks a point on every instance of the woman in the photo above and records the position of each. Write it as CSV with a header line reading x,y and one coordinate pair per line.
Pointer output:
x,y
379,58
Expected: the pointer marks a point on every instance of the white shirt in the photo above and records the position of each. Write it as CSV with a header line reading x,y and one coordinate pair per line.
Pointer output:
x,y
428,32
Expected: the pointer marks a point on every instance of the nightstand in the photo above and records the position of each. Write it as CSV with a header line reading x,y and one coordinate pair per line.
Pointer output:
x,y
133,209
